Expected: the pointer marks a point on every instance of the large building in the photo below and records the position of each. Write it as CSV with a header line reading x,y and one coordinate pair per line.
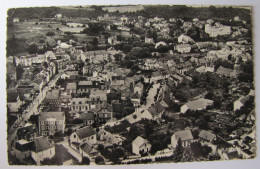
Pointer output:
x,y
51,122
217,30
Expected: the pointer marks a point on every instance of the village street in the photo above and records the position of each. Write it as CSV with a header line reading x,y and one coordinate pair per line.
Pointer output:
x,y
31,109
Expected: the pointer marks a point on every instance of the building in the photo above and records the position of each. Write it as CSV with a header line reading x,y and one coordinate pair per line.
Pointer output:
x,y
217,30
185,136
183,48
84,87
139,88
98,95
88,118
239,103
52,100
71,88
206,136
80,104
13,102
109,139
42,149
22,149
83,135
198,104
141,145
51,123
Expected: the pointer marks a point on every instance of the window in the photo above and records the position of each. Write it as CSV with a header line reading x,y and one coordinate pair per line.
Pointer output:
x,y
80,102
42,122
73,102
74,135
92,137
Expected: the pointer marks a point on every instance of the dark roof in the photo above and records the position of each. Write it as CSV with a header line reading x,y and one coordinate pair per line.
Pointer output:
x,y
85,132
56,115
26,146
207,135
86,148
41,144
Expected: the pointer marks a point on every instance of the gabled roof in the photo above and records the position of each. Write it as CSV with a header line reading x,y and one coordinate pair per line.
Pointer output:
x,y
206,135
85,83
87,148
85,132
224,71
41,144
156,109
54,94
156,74
139,141
49,115
71,86
183,135
199,104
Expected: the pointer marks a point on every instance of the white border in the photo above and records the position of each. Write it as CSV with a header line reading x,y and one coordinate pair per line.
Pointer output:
x,y
238,164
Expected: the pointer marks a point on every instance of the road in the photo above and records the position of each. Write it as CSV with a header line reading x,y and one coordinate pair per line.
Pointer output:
x,y
31,109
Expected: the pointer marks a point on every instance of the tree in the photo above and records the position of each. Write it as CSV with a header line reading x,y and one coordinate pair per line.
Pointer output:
x,y
85,161
178,152
95,41
19,72
50,34
32,49
116,154
99,160
118,57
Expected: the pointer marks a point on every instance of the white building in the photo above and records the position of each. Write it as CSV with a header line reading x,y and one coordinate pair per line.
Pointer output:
x,y
141,145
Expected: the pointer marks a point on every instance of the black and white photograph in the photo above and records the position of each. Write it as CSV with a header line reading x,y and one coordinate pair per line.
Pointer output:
x,y
129,84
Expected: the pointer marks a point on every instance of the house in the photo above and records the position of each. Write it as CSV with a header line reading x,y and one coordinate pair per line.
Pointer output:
x,y
80,104
88,118
105,113
71,88
207,136
139,88
217,30
108,139
185,39
154,112
52,99
51,123
13,102
159,44
98,95
22,149
156,76
88,150
83,135
185,136
42,149
28,132
183,48
149,40
198,104
141,145
92,56
240,102
84,87
165,100
226,72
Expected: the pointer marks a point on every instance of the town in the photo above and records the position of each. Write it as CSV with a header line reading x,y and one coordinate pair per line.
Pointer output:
x,y
135,84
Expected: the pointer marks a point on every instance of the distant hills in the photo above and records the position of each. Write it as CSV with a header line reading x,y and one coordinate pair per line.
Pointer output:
x,y
165,11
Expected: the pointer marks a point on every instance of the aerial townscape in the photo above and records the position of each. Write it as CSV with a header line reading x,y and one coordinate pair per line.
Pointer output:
x,y
131,84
